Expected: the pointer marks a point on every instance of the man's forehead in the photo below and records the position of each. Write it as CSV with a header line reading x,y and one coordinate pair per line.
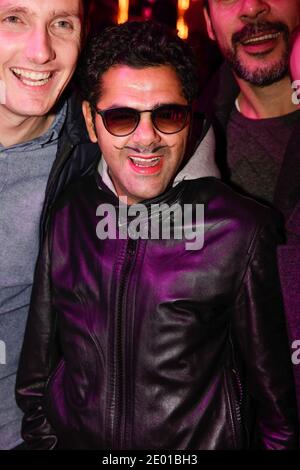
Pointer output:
x,y
140,88
70,7
125,80
149,76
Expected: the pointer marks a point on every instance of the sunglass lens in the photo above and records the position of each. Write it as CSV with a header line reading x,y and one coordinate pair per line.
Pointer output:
x,y
121,121
170,119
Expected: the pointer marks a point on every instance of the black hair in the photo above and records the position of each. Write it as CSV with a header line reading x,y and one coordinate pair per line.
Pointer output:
x,y
137,45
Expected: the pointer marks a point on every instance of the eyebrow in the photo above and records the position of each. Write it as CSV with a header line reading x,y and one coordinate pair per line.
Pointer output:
x,y
66,13
155,106
9,7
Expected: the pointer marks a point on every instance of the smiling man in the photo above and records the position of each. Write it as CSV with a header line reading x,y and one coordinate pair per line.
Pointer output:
x,y
143,155
258,121
39,50
139,341
254,37
40,134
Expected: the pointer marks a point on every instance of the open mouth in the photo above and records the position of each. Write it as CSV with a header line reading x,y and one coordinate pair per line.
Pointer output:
x,y
260,39
145,162
146,165
33,79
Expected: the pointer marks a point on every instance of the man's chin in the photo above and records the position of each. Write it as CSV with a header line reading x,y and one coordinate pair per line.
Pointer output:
x,y
262,77
259,76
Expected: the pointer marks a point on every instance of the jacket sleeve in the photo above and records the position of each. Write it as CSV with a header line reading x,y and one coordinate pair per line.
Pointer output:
x,y
260,334
38,358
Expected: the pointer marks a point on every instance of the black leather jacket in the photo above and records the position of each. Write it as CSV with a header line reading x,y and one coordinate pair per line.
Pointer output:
x,y
76,156
141,344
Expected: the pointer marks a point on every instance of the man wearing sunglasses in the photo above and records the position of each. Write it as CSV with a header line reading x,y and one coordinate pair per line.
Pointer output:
x,y
136,340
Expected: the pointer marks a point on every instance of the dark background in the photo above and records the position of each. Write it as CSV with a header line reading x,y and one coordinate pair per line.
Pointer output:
x,y
105,13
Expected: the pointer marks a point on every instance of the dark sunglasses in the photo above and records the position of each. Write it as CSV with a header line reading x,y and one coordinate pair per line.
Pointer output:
x,y
168,119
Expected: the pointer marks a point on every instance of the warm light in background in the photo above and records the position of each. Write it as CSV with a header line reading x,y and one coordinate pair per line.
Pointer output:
x,y
182,27
183,5
123,11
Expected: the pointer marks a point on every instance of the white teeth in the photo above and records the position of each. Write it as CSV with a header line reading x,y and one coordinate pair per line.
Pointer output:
x,y
138,159
261,38
145,162
35,84
32,75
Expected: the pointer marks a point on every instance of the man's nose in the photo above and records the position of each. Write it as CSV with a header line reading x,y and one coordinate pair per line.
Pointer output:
x,y
254,10
145,133
39,48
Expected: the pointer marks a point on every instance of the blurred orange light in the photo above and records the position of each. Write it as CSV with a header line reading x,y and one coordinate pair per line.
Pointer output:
x,y
182,28
123,11
183,5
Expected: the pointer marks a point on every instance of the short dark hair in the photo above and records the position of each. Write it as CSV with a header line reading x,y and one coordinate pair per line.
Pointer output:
x,y
137,45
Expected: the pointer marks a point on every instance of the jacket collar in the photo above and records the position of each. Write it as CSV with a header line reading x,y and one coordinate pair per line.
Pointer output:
x,y
73,132
75,128
218,98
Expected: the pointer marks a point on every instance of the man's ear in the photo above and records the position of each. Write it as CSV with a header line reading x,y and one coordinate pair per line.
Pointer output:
x,y
209,27
86,109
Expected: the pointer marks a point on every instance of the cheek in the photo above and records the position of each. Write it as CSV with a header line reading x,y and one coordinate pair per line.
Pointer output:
x,y
112,150
68,55
8,45
178,148
222,28
9,49
71,66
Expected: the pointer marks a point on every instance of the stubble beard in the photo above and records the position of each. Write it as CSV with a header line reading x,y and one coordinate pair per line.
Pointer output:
x,y
262,76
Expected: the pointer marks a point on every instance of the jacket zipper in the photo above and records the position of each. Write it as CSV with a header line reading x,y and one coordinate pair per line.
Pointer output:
x,y
236,405
118,401
232,409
